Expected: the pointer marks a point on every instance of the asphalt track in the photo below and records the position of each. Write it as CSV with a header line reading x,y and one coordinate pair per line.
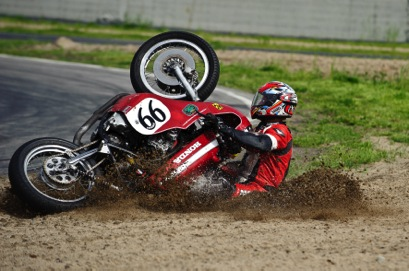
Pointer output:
x,y
40,98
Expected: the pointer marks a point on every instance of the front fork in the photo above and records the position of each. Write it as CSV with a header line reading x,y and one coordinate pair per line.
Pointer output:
x,y
183,81
104,148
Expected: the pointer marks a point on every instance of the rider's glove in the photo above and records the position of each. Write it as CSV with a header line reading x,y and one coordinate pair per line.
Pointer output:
x,y
211,121
224,129
217,124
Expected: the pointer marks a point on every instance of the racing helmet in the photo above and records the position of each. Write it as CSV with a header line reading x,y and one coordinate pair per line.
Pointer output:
x,y
274,99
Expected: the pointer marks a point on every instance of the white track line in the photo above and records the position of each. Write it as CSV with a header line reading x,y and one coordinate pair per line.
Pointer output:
x,y
236,94
64,63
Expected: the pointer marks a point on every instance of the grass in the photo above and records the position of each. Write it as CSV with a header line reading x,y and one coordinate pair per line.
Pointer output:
x,y
141,32
340,112
112,58
337,113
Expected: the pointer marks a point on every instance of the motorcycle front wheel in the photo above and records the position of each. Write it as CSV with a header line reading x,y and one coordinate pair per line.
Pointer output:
x,y
151,68
41,175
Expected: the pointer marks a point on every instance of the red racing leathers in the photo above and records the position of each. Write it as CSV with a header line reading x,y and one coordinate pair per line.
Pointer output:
x,y
267,160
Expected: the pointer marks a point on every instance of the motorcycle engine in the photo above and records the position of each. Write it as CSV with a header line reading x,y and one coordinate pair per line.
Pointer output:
x,y
163,142
115,129
119,132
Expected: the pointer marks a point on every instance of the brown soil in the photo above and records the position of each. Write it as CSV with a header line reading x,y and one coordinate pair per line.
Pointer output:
x,y
322,220
373,68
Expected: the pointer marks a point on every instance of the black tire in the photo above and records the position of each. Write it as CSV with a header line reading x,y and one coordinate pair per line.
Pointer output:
x,y
37,188
158,49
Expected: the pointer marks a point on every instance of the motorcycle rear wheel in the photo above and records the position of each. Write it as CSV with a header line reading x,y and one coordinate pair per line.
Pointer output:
x,y
150,68
40,177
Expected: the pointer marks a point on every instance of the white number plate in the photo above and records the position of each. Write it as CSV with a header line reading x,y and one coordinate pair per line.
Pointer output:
x,y
148,116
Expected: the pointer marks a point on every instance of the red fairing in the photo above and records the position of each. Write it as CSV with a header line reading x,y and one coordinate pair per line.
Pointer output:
x,y
191,160
197,155
151,114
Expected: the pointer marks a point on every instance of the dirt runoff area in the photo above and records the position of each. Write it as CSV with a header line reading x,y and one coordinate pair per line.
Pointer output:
x,y
322,220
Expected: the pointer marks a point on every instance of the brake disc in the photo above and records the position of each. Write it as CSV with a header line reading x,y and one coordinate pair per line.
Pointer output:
x,y
162,66
59,171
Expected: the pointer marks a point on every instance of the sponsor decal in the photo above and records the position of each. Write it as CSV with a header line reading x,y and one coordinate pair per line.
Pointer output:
x,y
194,157
217,106
181,168
190,109
187,152
276,108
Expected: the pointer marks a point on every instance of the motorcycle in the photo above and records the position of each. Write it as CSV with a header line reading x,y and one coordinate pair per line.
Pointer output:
x,y
158,134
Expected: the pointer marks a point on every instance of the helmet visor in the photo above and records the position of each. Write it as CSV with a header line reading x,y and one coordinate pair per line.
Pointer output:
x,y
258,99
266,99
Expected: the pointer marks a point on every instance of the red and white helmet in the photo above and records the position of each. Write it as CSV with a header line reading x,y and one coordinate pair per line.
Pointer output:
x,y
274,99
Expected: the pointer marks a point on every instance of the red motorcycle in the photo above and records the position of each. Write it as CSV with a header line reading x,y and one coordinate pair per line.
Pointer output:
x,y
159,134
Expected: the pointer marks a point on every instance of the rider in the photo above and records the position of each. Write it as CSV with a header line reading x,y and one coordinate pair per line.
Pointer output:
x,y
269,147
